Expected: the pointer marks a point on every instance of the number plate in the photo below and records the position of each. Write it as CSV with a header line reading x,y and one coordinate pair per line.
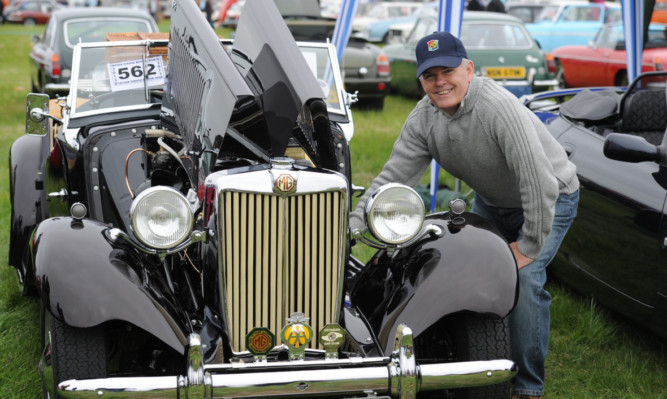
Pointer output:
x,y
504,72
129,75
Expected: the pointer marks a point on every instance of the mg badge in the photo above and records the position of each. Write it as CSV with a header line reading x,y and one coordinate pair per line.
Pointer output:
x,y
259,342
297,335
285,183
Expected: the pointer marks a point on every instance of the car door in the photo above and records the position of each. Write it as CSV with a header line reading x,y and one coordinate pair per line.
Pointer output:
x,y
615,247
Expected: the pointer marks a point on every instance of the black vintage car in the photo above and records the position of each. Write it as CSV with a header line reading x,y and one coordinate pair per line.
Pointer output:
x,y
183,220
616,248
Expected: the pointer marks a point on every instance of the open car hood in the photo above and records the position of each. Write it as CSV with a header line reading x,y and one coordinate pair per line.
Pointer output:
x,y
204,87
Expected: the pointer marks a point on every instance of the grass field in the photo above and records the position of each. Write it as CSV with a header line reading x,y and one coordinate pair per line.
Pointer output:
x,y
593,354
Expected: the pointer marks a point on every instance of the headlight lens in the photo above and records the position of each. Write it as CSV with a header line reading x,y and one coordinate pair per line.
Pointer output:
x,y
395,213
161,217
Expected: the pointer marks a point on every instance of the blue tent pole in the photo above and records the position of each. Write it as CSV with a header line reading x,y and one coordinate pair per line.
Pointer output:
x,y
450,15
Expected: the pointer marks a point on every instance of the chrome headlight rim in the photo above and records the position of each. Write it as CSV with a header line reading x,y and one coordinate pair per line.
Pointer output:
x,y
374,220
184,218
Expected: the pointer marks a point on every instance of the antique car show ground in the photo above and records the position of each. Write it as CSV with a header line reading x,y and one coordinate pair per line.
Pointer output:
x,y
593,353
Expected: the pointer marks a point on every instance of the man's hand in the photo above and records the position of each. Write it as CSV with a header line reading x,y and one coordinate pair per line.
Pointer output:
x,y
521,259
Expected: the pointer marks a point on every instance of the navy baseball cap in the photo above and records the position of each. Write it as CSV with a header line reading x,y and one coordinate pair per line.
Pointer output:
x,y
439,49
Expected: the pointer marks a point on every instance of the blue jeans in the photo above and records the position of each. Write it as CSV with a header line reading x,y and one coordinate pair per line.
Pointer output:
x,y
529,321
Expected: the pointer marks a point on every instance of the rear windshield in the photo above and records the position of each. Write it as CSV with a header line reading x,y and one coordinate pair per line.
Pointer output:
x,y
95,30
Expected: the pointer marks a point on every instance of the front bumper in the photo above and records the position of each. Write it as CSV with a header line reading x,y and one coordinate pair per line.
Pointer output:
x,y
397,376
368,88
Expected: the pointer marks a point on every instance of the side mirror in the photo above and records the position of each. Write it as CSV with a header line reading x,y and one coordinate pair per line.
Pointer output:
x,y
629,148
37,114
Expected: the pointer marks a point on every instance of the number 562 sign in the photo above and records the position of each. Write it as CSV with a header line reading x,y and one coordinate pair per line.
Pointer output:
x,y
128,75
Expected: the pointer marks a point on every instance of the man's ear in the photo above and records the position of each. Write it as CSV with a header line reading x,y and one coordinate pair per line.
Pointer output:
x,y
470,70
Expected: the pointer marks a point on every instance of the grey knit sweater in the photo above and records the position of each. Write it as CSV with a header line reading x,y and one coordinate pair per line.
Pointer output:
x,y
494,144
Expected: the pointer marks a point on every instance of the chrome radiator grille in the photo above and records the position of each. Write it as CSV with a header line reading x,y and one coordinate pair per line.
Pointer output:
x,y
281,254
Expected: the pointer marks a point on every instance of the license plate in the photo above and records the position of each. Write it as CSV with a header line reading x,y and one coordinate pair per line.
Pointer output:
x,y
504,72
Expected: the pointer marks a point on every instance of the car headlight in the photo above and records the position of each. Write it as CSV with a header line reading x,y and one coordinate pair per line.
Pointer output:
x,y
161,217
395,213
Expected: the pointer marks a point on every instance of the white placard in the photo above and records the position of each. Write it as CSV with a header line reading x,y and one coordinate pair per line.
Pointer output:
x,y
129,75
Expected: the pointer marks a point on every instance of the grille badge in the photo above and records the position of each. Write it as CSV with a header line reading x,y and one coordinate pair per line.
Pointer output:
x,y
285,183
297,335
259,342
331,338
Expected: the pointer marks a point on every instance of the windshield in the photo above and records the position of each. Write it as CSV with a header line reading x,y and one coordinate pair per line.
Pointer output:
x,y
494,36
95,29
319,59
109,75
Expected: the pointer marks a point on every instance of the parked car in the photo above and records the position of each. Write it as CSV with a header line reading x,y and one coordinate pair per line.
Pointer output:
x,y
374,25
615,249
30,12
574,22
497,43
603,62
231,18
364,66
186,234
222,12
659,14
51,54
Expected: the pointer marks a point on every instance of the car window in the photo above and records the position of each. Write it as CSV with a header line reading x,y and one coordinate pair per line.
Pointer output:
x,y
494,36
523,13
608,37
422,28
548,13
613,15
582,13
95,30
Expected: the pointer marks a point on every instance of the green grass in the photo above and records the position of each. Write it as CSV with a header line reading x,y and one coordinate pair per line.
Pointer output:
x,y
593,353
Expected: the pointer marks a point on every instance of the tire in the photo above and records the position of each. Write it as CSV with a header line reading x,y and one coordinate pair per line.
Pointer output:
x,y
75,353
481,337
29,22
374,104
466,337
621,79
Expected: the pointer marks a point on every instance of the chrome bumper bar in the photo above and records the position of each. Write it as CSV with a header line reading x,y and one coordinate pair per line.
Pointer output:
x,y
397,376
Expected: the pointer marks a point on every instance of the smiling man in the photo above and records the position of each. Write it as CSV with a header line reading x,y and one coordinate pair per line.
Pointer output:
x,y
525,185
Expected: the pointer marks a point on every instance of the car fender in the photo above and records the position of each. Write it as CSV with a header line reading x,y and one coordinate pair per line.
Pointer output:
x,y
468,267
85,280
26,186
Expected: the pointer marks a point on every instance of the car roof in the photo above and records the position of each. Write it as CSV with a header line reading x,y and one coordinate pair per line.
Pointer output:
x,y
82,12
489,16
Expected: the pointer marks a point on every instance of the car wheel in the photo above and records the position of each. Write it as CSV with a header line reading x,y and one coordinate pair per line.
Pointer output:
x,y
29,22
71,353
481,337
621,78
467,337
376,104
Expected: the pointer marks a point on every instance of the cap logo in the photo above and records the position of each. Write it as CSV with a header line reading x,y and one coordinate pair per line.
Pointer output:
x,y
432,45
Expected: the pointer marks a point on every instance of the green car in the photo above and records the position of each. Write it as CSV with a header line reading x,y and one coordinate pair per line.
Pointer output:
x,y
497,43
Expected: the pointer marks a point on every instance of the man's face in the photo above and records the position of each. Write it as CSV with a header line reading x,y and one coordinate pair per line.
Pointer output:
x,y
446,87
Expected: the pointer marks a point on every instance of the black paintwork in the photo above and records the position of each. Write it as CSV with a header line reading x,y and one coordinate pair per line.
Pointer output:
x,y
88,275
467,268
615,249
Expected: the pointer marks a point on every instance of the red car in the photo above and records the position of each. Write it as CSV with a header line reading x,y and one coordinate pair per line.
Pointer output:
x,y
603,62
30,12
